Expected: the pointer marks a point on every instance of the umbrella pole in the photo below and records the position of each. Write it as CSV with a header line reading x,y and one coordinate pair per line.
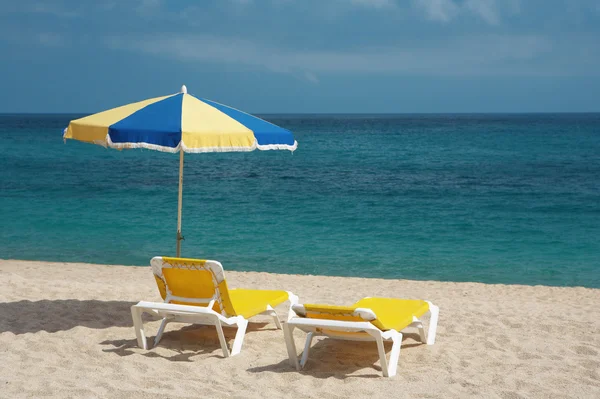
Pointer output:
x,y
179,236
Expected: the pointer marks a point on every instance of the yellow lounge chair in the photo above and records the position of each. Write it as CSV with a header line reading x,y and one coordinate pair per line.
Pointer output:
x,y
370,319
195,291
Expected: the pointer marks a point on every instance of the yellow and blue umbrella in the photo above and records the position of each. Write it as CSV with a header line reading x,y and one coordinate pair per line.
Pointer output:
x,y
180,123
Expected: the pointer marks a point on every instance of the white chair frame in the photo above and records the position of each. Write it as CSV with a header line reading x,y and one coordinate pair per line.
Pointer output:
x,y
316,327
198,315
205,314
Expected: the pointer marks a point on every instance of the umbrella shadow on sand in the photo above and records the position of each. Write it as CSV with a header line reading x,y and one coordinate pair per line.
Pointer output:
x,y
23,317
186,342
340,359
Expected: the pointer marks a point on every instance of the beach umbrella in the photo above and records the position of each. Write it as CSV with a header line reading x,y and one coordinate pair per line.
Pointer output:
x,y
180,123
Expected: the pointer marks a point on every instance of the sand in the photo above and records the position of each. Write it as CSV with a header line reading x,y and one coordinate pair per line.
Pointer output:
x,y
66,331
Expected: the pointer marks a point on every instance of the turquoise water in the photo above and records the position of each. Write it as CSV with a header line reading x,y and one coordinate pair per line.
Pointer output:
x,y
490,198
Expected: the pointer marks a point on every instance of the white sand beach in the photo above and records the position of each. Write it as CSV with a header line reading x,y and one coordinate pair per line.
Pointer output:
x,y
66,331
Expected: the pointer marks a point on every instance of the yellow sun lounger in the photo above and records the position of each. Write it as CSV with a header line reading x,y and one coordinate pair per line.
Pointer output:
x,y
370,319
195,291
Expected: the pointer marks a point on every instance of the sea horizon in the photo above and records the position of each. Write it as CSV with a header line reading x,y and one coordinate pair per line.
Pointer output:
x,y
346,113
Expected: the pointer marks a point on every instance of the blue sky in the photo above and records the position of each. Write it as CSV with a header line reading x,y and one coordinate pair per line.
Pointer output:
x,y
303,55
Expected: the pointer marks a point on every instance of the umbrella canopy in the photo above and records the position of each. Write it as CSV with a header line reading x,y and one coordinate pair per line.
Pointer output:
x,y
180,123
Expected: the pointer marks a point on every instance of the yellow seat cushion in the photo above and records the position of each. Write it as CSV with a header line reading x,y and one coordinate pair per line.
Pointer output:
x,y
393,314
249,303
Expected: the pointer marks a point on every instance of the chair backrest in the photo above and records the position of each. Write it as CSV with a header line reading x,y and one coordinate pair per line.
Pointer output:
x,y
192,282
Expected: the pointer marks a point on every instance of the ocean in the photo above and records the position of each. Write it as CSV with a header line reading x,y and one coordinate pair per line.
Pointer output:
x,y
512,199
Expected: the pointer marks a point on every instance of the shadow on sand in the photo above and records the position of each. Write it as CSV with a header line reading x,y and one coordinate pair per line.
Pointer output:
x,y
328,357
340,359
191,340
23,317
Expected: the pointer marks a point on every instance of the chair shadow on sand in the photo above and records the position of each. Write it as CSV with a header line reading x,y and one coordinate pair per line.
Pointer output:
x,y
23,317
328,357
188,341
340,359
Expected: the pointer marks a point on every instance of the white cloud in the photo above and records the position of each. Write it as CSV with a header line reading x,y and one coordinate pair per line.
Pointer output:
x,y
55,10
374,3
438,10
486,9
514,6
50,39
447,10
148,7
311,77
490,55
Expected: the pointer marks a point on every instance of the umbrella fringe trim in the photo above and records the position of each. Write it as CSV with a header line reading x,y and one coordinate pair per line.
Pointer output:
x,y
254,146
278,147
173,150
217,149
122,146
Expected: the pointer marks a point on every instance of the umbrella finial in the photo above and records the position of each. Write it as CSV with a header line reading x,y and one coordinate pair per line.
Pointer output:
x,y
184,89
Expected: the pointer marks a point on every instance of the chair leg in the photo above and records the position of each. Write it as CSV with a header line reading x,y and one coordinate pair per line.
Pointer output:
x,y
382,358
293,299
242,324
422,332
309,338
395,354
433,322
222,339
138,325
271,312
160,331
288,334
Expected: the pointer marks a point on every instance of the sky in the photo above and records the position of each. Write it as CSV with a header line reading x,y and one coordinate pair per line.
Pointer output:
x,y
303,56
